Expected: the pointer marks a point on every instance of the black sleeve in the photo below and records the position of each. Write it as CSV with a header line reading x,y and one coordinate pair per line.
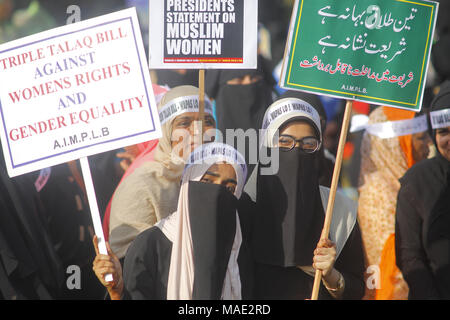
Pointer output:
x,y
350,264
410,255
140,270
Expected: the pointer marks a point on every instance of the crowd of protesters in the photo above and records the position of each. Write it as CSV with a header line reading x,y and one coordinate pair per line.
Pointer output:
x,y
186,223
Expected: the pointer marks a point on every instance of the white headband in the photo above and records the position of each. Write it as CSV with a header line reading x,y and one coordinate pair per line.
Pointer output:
x,y
211,153
440,119
214,152
390,129
281,111
181,105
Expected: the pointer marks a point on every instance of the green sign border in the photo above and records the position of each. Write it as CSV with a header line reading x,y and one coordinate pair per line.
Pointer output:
x,y
420,89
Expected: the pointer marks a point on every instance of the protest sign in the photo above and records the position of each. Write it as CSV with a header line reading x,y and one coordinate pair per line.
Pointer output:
x,y
370,50
203,34
75,91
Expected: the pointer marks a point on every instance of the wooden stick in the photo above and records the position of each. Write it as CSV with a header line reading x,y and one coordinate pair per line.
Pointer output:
x,y
95,215
333,189
201,97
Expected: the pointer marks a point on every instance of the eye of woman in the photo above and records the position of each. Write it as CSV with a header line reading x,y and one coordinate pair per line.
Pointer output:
x,y
231,187
442,132
206,180
184,122
285,141
310,143
209,122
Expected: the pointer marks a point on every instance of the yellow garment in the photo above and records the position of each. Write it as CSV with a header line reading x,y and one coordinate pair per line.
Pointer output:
x,y
393,286
383,163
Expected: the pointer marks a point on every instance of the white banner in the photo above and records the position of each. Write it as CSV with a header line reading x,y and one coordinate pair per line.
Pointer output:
x,y
75,91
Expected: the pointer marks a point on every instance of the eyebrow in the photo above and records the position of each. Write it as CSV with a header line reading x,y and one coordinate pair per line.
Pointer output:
x,y
212,174
183,118
288,135
218,176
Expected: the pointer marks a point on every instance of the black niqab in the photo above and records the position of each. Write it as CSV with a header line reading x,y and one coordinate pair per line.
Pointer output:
x,y
212,214
290,214
240,106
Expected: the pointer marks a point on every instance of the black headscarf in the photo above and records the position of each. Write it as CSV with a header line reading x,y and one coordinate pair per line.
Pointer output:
x,y
240,106
212,210
440,58
174,79
440,102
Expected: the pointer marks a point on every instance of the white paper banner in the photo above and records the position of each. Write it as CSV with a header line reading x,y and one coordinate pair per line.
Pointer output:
x,y
390,129
75,91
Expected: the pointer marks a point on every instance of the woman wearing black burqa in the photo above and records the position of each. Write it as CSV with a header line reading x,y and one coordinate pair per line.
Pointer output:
x,y
422,230
288,214
199,251
241,95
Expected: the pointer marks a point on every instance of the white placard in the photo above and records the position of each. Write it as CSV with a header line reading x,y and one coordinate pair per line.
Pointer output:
x,y
203,34
75,91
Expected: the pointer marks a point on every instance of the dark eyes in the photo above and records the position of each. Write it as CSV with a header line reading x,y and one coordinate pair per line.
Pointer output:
x,y
209,122
443,131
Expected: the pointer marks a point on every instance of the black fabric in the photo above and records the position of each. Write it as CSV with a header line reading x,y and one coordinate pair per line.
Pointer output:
x,y
240,106
439,56
422,229
290,213
70,229
212,210
291,283
146,266
67,216
440,102
29,260
172,78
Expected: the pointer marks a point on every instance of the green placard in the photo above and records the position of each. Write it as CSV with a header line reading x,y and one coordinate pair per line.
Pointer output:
x,y
375,51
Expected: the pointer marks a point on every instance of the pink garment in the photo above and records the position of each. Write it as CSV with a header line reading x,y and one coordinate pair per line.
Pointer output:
x,y
147,150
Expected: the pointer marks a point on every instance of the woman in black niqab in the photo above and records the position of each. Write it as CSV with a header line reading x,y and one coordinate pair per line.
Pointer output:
x,y
289,212
240,106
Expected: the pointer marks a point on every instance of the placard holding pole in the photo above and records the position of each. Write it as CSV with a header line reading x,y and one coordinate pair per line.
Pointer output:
x,y
75,91
201,97
375,51
333,189
95,214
